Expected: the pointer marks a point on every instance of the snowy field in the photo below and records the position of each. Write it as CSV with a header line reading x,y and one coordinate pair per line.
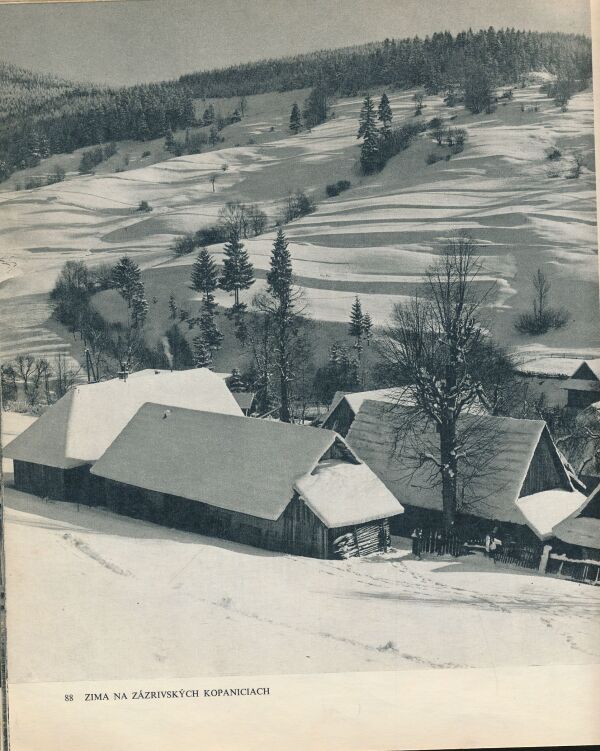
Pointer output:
x,y
375,239
93,595
116,598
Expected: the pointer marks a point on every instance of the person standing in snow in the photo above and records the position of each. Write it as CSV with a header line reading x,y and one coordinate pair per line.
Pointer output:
x,y
491,544
417,535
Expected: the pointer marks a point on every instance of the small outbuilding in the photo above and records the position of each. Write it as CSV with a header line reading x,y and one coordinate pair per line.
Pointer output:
x,y
291,488
53,456
513,474
583,387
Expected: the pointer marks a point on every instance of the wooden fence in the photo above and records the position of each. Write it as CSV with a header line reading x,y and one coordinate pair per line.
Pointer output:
x,y
463,542
580,570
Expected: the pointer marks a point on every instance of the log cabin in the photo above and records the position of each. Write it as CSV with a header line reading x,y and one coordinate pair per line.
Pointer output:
x,y
513,477
289,488
52,458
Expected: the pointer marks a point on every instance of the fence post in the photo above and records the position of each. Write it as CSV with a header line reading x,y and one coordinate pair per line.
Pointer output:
x,y
544,559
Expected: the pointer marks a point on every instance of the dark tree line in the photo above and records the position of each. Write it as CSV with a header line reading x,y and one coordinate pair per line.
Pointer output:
x,y
42,115
433,62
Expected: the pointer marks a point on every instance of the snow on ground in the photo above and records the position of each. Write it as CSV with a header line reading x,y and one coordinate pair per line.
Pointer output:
x,y
92,596
376,239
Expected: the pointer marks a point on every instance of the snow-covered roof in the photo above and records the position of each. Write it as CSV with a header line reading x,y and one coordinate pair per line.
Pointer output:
x,y
80,427
341,494
548,508
397,395
582,527
506,447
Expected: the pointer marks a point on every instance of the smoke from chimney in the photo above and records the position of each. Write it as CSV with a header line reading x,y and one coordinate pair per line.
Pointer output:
x,y
167,350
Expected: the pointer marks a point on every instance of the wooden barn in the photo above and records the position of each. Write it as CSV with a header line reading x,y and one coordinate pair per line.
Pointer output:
x,y
583,387
283,487
53,456
514,478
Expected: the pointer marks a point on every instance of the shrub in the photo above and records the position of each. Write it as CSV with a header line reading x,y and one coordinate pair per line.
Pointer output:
x,y
534,325
435,123
298,204
334,189
184,245
553,153
457,148
214,233
109,150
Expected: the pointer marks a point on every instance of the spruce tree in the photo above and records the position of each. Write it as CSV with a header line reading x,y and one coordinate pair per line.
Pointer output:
x,y
295,119
356,327
169,140
384,114
282,309
202,353
235,382
204,276
367,328
126,278
369,152
238,272
139,307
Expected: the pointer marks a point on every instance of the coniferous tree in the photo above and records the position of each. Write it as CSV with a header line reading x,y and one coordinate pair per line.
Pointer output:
x,y
202,353
127,278
238,272
356,327
295,119
169,140
281,306
139,307
367,130
204,276
235,382
384,114
367,328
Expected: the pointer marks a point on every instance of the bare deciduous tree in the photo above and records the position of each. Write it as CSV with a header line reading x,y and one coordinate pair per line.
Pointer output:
x,y
430,347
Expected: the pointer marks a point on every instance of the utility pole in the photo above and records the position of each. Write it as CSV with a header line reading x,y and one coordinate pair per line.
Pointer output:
x,y
3,653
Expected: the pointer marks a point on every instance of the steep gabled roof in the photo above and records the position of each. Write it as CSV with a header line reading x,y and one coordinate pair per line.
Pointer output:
x,y
80,426
588,369
341,494
236,463
508,447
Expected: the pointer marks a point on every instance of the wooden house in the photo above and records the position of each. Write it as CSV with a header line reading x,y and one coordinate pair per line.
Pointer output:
x,y
53,456
583,387
513,476
578,535
290,488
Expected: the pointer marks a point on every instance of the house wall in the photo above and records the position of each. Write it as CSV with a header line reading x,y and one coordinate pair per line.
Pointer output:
x,y
582,399
40,479
545,471
340,419
297,530
76,485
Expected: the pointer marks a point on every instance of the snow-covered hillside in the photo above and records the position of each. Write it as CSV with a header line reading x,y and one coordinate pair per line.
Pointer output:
x,y
375,239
